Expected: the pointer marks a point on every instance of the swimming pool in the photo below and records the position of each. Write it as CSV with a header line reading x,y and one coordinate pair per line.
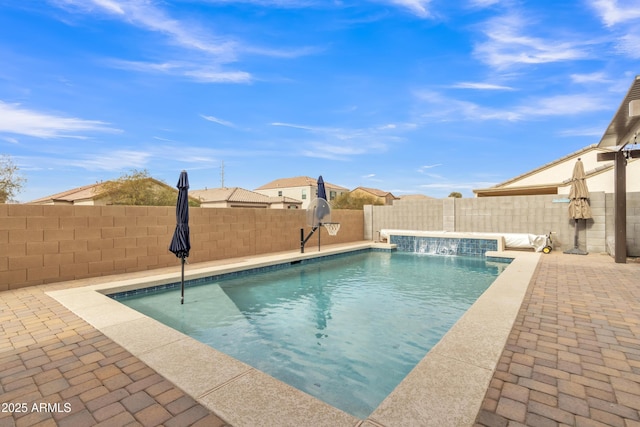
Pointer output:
x,y
346,330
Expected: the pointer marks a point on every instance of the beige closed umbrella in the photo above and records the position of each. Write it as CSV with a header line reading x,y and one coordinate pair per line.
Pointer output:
x,y
578,203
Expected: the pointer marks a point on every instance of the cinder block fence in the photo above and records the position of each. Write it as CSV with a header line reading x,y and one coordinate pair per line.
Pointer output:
x,y
511,214
44,244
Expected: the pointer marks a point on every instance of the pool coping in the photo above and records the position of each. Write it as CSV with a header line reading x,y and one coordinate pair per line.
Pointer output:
x,y
445,388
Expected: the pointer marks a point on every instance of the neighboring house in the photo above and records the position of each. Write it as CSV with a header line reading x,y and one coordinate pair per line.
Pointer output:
x,y
87,195
384,197
555,177
236,197
301,188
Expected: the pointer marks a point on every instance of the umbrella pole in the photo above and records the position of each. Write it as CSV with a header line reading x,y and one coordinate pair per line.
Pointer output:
x,y
575,250
182,284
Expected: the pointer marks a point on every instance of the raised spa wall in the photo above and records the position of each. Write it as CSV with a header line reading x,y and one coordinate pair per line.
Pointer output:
x,y
446,244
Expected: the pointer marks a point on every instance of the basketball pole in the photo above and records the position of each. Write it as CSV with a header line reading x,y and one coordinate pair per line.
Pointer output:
x,y
303,240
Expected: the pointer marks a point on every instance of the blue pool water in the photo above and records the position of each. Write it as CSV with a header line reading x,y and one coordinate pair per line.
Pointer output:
x,y
345,330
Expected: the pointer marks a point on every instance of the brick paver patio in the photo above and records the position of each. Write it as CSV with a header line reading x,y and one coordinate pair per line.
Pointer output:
x,y
48,355
573,358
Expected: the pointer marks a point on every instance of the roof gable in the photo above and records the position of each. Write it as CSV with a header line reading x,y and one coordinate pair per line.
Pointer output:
x,y
619,131
376,192
582,152
298,181
78,193
88,192
231,194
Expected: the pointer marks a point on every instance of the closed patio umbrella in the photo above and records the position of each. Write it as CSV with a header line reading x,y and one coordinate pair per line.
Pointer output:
x,y
578,203
322,209
181,243
322,192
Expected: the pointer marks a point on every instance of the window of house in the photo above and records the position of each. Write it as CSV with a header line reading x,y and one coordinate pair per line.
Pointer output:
x,y
332,195
280,193
304,194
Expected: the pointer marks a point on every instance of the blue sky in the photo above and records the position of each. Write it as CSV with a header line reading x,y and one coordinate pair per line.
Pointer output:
x,y
409,96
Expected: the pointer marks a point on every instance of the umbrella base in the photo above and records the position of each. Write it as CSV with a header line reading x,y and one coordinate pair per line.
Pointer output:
x,y
575,251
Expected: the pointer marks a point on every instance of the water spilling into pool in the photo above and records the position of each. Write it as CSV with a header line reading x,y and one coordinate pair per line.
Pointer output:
x,y
345,330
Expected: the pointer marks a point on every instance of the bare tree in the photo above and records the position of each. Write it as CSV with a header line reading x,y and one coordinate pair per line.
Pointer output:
x,y
11,181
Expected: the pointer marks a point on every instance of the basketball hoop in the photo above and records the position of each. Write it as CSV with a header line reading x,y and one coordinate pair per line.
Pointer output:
x,y
332,227
318,214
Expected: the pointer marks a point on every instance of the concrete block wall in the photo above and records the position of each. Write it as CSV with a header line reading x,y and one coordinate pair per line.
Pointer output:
x,y
596,234
404,215
449,214
520,214
510,214
44,244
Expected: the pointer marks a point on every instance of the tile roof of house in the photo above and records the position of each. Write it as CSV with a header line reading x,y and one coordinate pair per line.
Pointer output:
x,y
86,192
79,193
375,191
231,194
284,199
298,181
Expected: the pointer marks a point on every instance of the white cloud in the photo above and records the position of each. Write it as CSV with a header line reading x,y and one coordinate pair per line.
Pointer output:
x,y
218,121
144,14
614,12
193,70
423,169
417,7
290,125
211,76
483,3
628,44
597,77
9,140
563,105
480,86
110,5
444,108
341,143
329,151
595,132
622,17
203,52
111,161
18,120
507,45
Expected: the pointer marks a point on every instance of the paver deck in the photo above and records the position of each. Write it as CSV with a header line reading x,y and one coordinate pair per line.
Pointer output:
x,y
572,358
573,355
57,370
